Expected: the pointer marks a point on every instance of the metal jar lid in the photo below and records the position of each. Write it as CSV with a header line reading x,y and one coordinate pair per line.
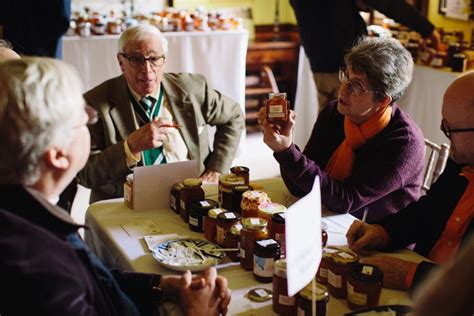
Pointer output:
x,y
271,208
214,212
345,257
260,294
321,293
192,182
254,223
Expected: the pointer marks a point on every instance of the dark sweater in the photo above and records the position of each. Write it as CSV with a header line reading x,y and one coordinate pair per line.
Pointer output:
x,y
387,171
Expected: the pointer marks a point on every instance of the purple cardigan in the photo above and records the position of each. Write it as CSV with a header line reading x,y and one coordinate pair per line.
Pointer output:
x,y
387,172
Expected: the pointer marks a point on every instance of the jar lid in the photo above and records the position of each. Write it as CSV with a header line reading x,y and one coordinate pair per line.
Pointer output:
x,y
257,196
267,244
366,273
228,217
192,182
235,229
239,170
213,212
277,95
231,180
178,186
270,208
329,251
345,256
254,223
260,294
321,292
279,218
204,205
459,55
242,188
129,178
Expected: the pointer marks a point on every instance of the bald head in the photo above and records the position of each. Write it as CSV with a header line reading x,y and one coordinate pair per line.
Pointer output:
x,y
8,54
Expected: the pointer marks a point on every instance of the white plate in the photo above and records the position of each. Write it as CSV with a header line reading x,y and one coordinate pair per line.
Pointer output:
x,y
187,254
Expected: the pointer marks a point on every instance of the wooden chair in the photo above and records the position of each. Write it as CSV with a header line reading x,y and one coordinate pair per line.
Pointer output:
x,y
438,155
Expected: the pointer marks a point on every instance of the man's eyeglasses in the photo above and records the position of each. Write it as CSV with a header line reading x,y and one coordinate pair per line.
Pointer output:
x,y
448,131
138,61
354,87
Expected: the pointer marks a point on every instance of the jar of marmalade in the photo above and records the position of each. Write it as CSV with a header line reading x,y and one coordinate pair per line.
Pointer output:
x,y
338,269
224,223
226,183
326,261
250,202
175,201
267,209
210,224
253,229
232,240
267,251
364,285
191,192
277,230
197,212
282,303
304,301
243,172
236,199
277,107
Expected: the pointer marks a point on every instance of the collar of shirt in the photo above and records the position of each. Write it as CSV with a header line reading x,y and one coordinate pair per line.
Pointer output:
x,y
138,97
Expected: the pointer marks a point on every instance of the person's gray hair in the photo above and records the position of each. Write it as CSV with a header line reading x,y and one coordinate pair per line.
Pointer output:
x,y
5,44
386,63
40,103
140,32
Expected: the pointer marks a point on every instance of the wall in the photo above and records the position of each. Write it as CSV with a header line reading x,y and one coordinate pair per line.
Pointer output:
x,y
447,23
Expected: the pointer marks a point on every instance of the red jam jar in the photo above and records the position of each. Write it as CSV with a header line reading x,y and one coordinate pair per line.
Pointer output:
x,y
253,229
224,223
304,301
210,224
364,285
282,303
267,251
232,240
277,230
326,261
226,183
241,171
338,269
250,202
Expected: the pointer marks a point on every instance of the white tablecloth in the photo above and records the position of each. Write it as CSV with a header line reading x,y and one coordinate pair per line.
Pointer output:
x,y
422,100
113,245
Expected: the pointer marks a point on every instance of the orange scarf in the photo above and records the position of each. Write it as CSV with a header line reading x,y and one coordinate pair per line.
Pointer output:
x,y
342,160
448,244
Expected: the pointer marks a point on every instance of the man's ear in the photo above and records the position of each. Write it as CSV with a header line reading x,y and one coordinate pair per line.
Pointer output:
x,y
56,157
119,61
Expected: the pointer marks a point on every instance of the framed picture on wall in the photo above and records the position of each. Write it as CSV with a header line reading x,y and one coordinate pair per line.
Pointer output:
x,y
457,9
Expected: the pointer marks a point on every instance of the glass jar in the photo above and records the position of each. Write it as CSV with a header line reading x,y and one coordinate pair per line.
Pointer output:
x,y
277,230
338,270
243,172
439,59
364,285
304,301
267,209
277,107
237,192
175,201
210,224
232,240
191,192
253,229
226,183
459,63
128,191
267,251
197,212
282,303
326,261
224,223
324,234
250,202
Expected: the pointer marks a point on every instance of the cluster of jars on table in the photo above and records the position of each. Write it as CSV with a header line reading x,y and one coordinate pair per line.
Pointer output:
x,y
89,23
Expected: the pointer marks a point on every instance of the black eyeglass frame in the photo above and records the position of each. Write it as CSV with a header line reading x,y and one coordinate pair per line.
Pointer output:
x,y
138,61
447,131
344,78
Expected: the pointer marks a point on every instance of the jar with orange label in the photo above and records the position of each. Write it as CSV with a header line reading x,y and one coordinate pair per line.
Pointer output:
x,y
175,201
237,192
253,229
232,240
267,209
191,192
326,261
277,107
241,171
267,251
277,230
224,223
210,224
283,304
364,285
250,202
338,269
226,183
304,301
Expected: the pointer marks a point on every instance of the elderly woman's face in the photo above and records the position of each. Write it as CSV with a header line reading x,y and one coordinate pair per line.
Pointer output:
x,y
356,97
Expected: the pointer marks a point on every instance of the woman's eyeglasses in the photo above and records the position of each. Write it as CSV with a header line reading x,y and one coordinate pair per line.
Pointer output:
x,y
354,87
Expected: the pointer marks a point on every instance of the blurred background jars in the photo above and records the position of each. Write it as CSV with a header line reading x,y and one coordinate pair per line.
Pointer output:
x,y
338,270
282,303
197,211
226,183
364,285
250,202
210,224
225,221
232,241
253,229
267,251
304,301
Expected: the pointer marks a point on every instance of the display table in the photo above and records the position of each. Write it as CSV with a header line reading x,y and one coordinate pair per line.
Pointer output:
x,y
422,100
116,248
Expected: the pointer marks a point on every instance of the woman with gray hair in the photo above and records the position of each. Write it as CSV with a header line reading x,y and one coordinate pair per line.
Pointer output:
x,y
367,152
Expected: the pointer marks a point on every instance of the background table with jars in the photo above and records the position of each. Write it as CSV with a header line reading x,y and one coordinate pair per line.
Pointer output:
x,y
108,239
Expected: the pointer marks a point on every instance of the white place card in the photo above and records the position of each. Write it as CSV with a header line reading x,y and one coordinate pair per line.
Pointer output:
x,y
139,228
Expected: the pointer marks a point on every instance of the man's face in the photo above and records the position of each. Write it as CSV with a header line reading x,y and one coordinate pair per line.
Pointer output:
x,y
144,79
79,147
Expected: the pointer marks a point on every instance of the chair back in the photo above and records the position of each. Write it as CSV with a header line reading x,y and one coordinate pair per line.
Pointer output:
x,y
437,157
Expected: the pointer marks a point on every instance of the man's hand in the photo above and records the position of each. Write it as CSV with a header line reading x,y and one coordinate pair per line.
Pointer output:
x,y
210,176
363,237
148,136
434,39
277,136
394,270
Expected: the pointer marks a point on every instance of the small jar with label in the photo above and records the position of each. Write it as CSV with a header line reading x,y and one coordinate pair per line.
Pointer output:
x,y
304,301
253,229
191,192
128,191
282,303
226,183
232,240
364,285
326,261
267,209
338,269
277,107
267,251
277,230
210,224
459,62
224,223
241,171
197,211
175,201
439,59
236,199
250,202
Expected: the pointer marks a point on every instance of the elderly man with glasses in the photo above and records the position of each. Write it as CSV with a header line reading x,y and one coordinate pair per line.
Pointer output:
x,y
440,222
150,117
367,152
